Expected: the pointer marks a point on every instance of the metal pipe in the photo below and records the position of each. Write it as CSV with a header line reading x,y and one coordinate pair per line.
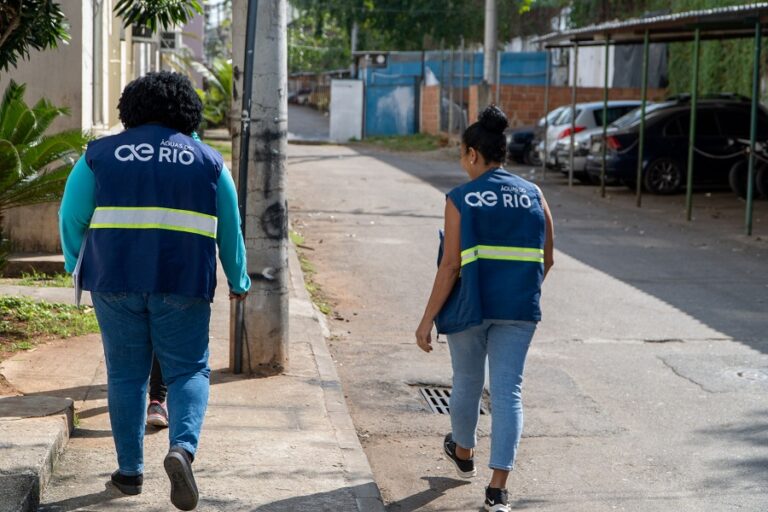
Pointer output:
x,y
753,128
461,84
498,78
573,110
692,133
450,96
245,138
605,117
641,142
546,114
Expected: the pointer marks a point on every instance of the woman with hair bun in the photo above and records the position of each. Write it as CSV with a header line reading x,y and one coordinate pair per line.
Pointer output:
x,y
496,250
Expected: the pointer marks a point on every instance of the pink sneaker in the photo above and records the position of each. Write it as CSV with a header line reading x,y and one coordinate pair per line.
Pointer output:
x,y
157,414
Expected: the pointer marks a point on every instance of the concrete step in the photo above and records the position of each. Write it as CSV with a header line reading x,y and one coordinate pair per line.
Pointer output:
x,y
34,431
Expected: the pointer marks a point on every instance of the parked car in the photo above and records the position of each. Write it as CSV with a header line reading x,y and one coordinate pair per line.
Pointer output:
x,y
588,115
300,96
523,142
521,145
720,122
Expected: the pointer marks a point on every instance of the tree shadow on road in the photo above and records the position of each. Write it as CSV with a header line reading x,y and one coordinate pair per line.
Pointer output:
x,y
747,435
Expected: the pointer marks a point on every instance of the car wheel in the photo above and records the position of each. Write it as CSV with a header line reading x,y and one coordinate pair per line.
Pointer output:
x,y
737,178
761,181
663,176
531,157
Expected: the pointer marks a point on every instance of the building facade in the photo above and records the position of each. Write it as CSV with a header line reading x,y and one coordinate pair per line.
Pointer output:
x,y
87,75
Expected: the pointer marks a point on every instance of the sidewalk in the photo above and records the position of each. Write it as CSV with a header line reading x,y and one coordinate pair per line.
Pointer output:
x,y
284,443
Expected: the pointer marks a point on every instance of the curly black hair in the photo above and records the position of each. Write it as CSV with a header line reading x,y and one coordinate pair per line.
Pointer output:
x,y
487,135
163,97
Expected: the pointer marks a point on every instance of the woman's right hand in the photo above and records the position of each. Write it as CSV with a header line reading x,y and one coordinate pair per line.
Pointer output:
x,y
424,336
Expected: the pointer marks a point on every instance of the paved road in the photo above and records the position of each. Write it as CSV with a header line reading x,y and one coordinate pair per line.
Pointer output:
x,y
307,124
645,387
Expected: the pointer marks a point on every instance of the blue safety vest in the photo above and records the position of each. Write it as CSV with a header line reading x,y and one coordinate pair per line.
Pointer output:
x,y
502,252
154,227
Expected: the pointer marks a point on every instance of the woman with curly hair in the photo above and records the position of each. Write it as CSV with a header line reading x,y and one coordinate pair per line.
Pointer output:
x,y
142,215
496,250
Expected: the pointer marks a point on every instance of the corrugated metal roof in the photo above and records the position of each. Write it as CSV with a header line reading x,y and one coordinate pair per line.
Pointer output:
x,y
735,21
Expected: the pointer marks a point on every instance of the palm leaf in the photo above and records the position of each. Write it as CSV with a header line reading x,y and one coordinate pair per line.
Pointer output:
x,y
53,147
45,113
14,113
39,189
10,164
27,155
14,91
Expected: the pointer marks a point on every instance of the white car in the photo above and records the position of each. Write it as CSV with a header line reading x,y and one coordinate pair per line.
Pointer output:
x,y
588,116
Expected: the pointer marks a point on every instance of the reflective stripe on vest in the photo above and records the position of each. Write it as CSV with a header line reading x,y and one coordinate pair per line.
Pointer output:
x,y
499,252
154,218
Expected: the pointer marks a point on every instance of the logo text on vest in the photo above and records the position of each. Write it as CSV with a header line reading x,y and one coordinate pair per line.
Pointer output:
x,y
144,152
489,198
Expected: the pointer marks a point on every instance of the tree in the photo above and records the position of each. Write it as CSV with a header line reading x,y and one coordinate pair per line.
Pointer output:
x,y
29,25
157,13
405,25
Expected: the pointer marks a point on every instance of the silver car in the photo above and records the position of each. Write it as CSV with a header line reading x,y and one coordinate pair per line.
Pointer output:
x,y
588,116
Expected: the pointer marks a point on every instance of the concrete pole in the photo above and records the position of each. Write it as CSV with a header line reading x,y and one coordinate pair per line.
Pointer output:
x,y
353,38
491,36
266,309
266,220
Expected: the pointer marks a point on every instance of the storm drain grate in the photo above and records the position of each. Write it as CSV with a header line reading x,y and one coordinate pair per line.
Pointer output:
x,y
437,399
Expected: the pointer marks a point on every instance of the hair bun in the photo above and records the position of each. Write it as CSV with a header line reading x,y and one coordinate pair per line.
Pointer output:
x,y
493,119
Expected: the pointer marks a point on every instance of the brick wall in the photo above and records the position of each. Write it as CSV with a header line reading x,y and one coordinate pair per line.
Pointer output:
x,y
430,109
524,104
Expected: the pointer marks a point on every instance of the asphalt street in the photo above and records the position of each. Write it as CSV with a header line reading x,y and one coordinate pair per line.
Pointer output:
x,y
646,382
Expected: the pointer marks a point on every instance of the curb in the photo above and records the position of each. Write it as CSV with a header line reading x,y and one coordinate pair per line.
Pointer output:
x,y
31,447
358,470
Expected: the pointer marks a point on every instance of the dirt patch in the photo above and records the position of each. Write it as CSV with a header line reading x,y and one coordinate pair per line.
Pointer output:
x,y
5,388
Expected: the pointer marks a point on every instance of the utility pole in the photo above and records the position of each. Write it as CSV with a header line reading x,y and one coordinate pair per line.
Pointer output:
x,y
263,325
491,30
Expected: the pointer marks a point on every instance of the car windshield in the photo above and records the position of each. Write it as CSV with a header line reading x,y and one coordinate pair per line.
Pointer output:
x,y
565,116
552,116
633,117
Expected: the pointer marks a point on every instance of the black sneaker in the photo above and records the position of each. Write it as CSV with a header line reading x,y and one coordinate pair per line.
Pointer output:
x,y
178,466
465,468
496,500
130,485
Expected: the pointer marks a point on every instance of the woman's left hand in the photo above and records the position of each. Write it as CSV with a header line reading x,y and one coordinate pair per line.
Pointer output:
x,y
424,336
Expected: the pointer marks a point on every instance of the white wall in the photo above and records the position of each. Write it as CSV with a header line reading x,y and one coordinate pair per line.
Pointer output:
x,y
591,72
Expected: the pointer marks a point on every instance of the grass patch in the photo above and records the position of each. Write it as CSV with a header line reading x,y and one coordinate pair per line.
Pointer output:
x,y
296,238
45,280
415,142
222,146
314,290
24,322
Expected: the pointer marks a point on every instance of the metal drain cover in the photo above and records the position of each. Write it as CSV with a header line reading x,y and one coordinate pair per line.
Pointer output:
x,y
437,399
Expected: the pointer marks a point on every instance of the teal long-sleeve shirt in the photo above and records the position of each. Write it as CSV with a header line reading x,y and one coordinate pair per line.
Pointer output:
x,y
79,203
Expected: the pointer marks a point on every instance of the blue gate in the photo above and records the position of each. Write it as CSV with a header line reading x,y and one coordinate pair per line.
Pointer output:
x,y
390,105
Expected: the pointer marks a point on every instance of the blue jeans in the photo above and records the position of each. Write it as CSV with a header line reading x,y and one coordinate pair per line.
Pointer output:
x,y
175,328
504,343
